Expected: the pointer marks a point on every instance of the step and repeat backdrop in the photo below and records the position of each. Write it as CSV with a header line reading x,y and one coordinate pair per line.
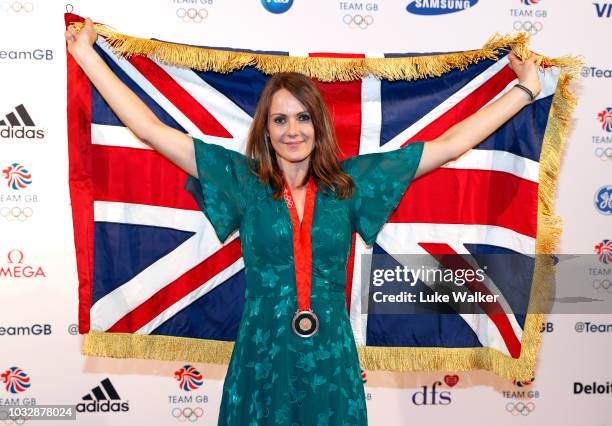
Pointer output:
x,y
40,360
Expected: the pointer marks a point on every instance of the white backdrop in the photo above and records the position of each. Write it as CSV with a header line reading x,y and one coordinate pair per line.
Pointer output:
x,y
38,285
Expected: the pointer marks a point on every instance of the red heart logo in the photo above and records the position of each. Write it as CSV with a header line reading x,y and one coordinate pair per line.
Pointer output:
x,y
451,380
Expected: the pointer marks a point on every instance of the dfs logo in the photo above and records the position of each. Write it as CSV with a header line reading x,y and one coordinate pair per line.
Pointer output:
x,y
277,6
434,396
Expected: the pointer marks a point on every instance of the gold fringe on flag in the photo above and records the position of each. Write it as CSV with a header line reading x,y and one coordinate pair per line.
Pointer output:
x,y
121,345
320,68
165,348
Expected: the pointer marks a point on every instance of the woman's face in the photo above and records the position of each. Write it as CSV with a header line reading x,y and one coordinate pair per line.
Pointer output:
x,y
290,128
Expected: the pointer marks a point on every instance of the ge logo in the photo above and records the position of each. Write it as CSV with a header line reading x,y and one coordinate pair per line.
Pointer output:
x,y
603,200
277,6
184,414
192,15
520,408
604,154
530,27
358,21
16,7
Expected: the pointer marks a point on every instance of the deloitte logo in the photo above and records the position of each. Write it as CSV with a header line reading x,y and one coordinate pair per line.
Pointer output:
x,y
18,124
592,388
439,7
277,6
103,399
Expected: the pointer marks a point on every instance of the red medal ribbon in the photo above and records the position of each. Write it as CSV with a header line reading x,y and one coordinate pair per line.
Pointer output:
x,y
302,242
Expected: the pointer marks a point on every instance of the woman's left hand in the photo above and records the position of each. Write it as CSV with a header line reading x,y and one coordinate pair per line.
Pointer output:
x,y
526,71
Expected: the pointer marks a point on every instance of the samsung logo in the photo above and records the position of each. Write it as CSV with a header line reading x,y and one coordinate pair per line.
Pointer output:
x,y
439,7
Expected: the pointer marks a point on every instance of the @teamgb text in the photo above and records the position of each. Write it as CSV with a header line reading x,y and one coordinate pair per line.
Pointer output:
x,y
520,408
16,6
191,414
16,213
531,27
192,15
358,21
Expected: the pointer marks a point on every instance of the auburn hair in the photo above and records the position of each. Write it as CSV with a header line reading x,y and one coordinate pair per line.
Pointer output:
x,y
324,166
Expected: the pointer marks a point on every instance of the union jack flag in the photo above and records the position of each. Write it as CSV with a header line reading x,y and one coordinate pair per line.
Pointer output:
x,y
150,263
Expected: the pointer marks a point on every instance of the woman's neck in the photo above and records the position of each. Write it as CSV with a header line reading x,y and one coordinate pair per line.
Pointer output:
x,y
294,173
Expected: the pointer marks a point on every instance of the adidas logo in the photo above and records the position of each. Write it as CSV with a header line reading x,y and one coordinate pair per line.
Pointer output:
x,y
18,124
103,399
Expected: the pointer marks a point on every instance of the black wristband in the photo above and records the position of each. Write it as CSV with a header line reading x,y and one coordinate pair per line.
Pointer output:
x,y
526,90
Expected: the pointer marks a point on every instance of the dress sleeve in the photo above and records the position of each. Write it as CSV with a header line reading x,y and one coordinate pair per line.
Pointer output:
x,y
221,188
380,182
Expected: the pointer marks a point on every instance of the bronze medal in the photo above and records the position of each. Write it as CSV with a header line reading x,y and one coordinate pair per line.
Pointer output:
x,y
305,323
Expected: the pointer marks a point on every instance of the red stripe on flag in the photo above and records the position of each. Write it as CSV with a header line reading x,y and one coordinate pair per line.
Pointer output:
x,y
467,106
335,55
80,181
451,260
178,289
343,100
131,175
479,197
178,96
344,103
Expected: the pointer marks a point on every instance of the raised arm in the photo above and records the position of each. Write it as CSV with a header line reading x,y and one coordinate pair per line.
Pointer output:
x,y
171,143
474,129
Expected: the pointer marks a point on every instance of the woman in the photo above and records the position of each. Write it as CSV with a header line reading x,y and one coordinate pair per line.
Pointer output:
x,y
296,206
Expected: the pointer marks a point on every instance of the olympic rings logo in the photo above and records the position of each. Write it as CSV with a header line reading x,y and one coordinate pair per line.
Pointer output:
x,y
520,408
9,421
603,285
16,6
16,213
604,154
192,14
531,27
358,21
184,414
288,198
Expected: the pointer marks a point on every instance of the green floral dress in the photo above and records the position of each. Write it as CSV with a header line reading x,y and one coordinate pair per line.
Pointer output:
x,y
276,377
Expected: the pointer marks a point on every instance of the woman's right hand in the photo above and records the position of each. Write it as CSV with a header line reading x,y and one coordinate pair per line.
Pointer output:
x,y
131,110
81,40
